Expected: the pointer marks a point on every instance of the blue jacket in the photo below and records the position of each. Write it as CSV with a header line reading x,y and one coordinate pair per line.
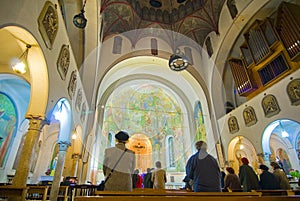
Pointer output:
x,y
204,170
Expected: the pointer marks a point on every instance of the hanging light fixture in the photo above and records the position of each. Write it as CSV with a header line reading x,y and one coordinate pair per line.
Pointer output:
x,y
19,65
283,131
178,61
79,20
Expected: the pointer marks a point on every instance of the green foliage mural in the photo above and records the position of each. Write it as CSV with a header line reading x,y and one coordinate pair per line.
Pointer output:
x,y
7,126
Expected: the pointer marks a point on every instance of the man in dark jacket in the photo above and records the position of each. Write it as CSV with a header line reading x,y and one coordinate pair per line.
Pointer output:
x,y
268,180
204,170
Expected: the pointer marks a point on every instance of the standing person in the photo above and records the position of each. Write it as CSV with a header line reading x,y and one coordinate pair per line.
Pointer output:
x,y
248,177
120,179
204,170
159,177
147,179
231,180
137,180
280,176
267,180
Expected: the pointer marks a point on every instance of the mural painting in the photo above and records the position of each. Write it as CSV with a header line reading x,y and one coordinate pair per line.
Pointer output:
x,y
8,118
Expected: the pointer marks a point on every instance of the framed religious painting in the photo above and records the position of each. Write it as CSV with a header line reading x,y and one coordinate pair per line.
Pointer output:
x,y
48,23
270,105
233,124
293,91
249,116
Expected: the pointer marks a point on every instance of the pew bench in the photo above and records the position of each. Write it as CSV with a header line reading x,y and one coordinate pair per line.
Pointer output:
x,y
14,193
36,193
187,198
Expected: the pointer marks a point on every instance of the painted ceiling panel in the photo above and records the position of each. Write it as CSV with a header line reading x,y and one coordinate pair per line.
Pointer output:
x,y
192,18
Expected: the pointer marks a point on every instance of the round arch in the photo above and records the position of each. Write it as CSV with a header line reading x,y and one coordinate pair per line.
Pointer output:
x,y
241,147
38,72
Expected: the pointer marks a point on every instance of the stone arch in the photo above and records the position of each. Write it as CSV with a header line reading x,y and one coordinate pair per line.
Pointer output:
x,y
38,71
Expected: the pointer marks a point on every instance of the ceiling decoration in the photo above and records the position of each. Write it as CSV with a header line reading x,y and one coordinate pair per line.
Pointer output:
x,y
192,18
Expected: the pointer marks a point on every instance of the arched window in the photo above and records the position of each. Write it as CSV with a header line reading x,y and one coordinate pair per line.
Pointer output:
x,y
170,152
117,45
232,8
110,139
188,54
209,48
154,46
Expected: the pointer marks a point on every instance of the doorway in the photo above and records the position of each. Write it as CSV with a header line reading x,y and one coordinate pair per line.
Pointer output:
x,y
142,146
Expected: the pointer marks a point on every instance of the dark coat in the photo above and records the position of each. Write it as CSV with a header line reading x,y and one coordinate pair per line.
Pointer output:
x,y
248,178
232,182
268,181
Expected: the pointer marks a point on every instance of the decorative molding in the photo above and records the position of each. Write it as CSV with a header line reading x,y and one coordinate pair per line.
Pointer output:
x,y
72,84
293,91
63,61
83,112
48,23
270,105
233,124
78,100
249,116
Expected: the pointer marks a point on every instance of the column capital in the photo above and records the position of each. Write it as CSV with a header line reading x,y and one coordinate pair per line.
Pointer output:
x,y
36,122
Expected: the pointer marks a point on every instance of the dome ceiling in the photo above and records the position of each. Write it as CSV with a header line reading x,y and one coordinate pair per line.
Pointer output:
x,y
192,18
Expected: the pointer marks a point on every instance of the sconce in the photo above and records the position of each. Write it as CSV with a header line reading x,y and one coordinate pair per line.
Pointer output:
x,y
19,65
79,20
178,61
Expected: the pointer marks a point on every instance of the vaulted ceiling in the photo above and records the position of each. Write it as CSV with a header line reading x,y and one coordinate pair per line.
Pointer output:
x,y
192,18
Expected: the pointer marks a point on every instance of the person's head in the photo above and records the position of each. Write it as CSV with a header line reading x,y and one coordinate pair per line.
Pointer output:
x,y
263,167
148,170
122,136
158,164
275,165
245,161
201,145
136,171
230,170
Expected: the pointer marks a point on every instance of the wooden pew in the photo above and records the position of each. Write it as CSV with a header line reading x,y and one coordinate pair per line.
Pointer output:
x,y
167,192
279,192
187,198
63,193
37,193
14,193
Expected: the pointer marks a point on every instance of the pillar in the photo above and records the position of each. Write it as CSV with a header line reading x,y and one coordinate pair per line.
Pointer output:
x,y
32,136
58,170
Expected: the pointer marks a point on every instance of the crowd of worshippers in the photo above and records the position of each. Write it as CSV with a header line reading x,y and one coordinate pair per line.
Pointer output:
x,y
203,173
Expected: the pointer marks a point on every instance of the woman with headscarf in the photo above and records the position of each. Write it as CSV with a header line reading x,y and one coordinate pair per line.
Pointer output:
x,y
248,177
231,180
280,176
120,179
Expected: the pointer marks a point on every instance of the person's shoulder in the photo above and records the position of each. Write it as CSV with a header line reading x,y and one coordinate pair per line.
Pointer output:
x,y
130,151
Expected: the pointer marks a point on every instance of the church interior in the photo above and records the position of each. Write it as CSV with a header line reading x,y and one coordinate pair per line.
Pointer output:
x,y
169,72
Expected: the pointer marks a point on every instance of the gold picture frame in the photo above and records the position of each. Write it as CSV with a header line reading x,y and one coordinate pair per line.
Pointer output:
x,y
48,23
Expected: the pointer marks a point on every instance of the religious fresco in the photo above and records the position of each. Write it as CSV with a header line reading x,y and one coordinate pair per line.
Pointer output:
x,y
8,116
199,122
147,109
